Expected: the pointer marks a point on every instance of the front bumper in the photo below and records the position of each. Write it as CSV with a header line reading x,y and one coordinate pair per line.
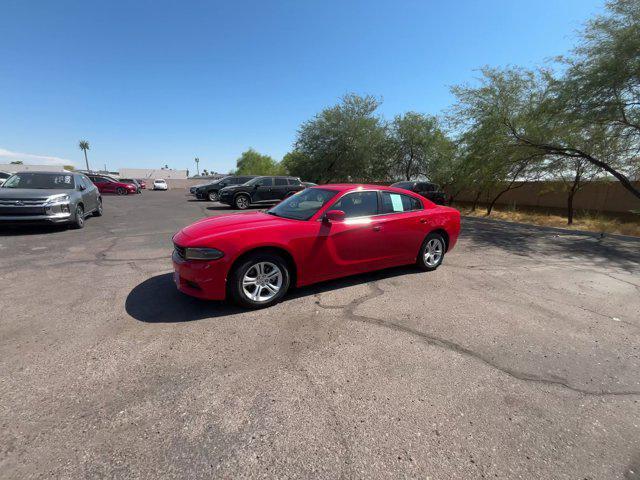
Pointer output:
x,y
226,197
206,280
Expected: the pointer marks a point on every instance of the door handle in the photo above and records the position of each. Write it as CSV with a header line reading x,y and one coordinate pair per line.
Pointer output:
x,y
423,220
377,228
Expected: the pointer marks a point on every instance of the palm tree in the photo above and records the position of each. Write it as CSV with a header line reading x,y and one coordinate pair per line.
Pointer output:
x,y
84,146
197,165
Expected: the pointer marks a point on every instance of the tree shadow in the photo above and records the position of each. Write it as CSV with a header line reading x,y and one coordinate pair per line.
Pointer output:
x,y
157,300
549,244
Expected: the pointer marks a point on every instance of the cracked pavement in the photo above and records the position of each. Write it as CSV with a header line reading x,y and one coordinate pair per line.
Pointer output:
x,y
518,358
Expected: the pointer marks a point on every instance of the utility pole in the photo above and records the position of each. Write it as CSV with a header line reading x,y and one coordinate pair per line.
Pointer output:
x,y
198,165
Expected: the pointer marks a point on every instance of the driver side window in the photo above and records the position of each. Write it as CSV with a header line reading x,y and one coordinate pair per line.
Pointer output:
x,y
358,204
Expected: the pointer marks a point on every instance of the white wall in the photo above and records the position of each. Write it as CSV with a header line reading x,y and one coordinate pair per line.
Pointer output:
x,y
148,173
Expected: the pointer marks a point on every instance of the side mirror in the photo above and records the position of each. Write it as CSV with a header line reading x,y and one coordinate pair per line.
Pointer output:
x,y
335,216
82,188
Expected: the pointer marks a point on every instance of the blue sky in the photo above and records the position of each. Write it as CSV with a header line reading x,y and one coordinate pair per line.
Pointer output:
x,y
149,83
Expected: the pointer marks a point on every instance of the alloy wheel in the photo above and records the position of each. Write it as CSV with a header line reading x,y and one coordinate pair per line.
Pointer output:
x,y
79,216
213,196
242,202
262,281
433,252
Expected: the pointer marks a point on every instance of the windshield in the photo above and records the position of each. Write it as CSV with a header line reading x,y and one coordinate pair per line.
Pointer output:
x,y
303,205
48,181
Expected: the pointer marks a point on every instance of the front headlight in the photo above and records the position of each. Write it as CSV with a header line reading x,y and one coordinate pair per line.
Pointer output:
x,y
202,254
63,197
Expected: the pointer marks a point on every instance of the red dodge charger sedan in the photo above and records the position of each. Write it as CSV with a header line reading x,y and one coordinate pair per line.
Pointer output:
x,y
320,233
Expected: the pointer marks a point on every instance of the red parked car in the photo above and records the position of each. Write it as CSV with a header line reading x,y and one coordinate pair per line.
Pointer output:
x,y
143,184
320,233
109,185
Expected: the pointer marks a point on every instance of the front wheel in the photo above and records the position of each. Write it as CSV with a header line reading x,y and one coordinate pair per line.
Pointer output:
x,y
213,196
98,211
242,202
260,281
432,252
78,221
121,191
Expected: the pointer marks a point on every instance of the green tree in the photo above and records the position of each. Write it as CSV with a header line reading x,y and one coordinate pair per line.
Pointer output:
x,y
297,164
254,163
84,146
346,142
486,112
69,168
418,144
17,162
592,111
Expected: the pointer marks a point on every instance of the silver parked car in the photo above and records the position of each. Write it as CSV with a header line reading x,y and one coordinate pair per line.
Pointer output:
x,y
49,197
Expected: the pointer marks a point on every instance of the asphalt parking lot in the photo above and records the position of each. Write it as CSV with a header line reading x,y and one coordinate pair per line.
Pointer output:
x,y
518,358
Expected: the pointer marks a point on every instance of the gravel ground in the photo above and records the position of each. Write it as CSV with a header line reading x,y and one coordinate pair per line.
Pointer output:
x,y
518,358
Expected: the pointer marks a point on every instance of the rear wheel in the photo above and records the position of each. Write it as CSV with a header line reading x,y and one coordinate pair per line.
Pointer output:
x,y
432,252
121,191
78,221
242,202
259,281
213,196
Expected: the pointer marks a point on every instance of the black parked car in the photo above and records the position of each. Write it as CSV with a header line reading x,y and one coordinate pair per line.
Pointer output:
x,y
260,190
428,190
210,191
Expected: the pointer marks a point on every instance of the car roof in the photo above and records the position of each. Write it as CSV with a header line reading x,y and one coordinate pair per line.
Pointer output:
x,y
347,187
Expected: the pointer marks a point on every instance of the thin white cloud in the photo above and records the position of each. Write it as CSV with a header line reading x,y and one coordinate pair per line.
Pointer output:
x,y
8,156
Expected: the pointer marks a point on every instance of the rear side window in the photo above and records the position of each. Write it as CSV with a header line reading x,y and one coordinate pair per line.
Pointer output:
x,y
281,181
396,203
358,204
265,182
294,181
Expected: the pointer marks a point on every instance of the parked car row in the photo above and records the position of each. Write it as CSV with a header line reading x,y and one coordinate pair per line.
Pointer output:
x,y
60,197
243,191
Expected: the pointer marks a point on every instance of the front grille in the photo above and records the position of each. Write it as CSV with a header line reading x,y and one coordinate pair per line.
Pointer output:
x,y
22,202
180,251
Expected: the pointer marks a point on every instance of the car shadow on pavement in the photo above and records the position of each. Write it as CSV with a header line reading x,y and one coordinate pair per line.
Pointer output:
x,y
157,300
15,230
548,243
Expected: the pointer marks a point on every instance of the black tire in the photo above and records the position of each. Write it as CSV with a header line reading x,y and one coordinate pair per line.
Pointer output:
x,y
248,265
78,219
212,196
98,211
242,202
121,191
431,252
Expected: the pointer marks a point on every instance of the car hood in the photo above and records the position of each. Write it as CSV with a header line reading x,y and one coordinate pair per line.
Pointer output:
x,y
31,192
214,226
